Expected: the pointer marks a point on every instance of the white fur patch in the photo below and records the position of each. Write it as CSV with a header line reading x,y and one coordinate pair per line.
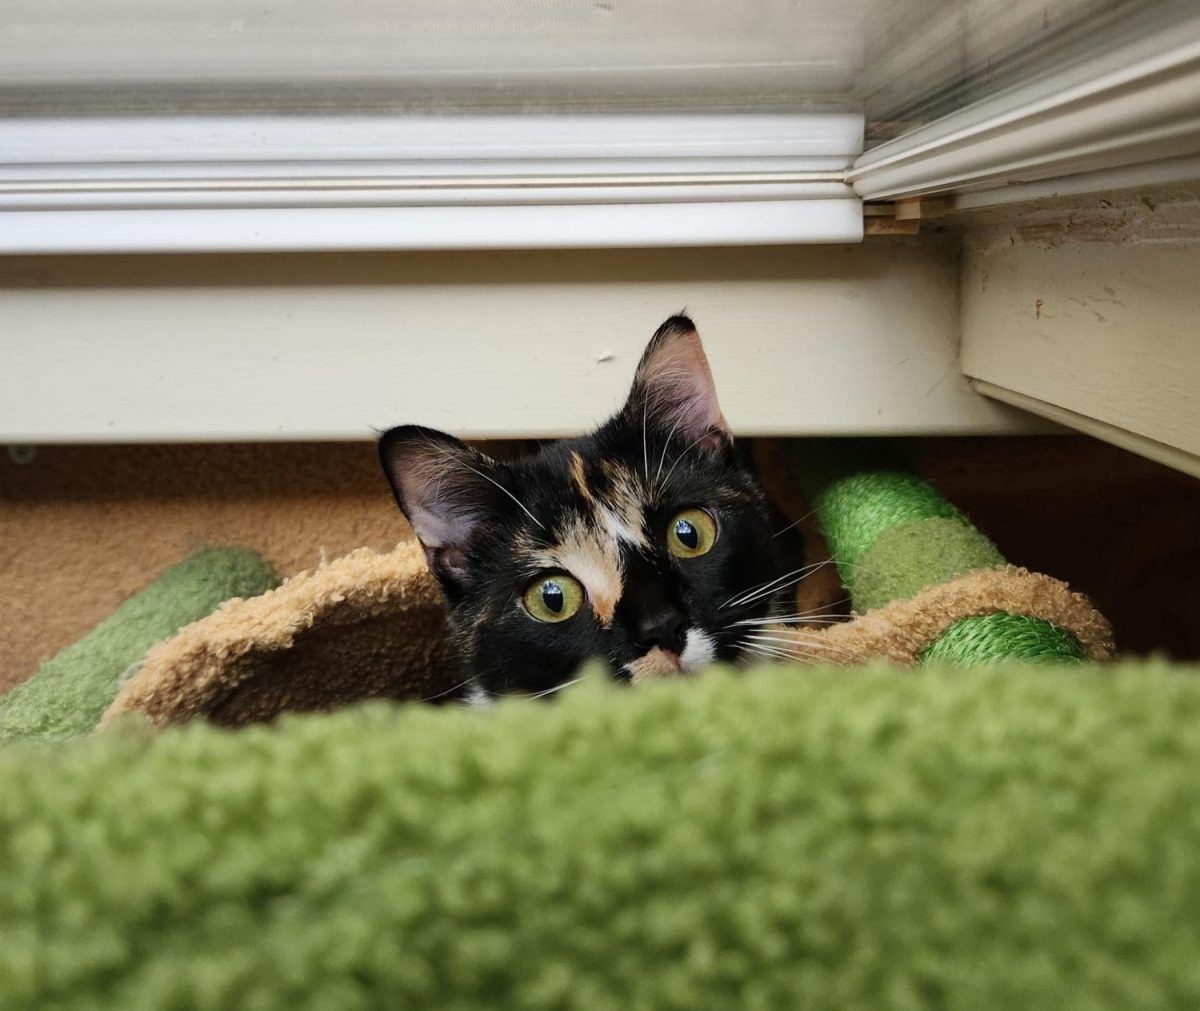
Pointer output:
x,y
699,649
622,528
622,513
476,697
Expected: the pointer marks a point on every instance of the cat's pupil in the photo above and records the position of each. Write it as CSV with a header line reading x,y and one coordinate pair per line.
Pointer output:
x,y
687,534
552,596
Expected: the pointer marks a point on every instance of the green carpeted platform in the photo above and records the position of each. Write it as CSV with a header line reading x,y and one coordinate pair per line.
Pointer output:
x,y
994,838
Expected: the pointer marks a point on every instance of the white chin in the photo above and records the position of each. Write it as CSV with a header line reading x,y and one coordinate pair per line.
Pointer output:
x,y
476,697
699,650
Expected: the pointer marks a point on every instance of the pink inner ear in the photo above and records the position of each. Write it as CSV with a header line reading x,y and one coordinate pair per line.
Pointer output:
x,y
440,494
678,387
436,528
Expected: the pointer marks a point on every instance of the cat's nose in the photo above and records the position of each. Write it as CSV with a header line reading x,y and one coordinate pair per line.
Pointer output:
x,y
664,628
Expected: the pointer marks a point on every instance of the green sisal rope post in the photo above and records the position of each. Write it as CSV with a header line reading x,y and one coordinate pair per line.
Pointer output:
x,y
892,534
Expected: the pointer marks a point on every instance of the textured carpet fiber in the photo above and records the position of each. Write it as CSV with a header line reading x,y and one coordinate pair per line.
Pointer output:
x,y
84,527
790,839
68,693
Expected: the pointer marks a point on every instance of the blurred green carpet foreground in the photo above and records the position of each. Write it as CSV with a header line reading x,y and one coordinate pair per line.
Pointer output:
x,y
994,838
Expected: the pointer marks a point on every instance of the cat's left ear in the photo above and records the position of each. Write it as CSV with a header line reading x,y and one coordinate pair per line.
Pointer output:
x,y
673,388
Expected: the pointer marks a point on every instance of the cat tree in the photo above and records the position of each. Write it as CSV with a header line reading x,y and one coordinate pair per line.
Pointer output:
x,y
926,586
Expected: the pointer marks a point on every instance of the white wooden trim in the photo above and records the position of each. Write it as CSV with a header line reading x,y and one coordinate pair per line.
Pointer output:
x,y
229,184
860,339
1160,452
1138,104
1094,314
563,226
309,140
1126,177
419,191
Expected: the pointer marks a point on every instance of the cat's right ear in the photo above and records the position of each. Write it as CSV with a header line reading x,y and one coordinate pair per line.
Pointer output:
x,y
441,486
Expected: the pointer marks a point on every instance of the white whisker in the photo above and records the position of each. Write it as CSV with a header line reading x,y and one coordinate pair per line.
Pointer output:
x,y
803,574
767,588
784,581
678,460
799,619
818,611
550,691
816,614
789,635
760,586
792,526
790,643
645,451
766,652
786,656
813,658
820,607
792,637
506,492
439,695
813,614
662,459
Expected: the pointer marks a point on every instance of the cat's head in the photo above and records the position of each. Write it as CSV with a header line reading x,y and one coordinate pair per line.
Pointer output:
x,y
643,543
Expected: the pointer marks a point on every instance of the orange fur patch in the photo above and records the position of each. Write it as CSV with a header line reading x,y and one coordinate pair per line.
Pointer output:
x,y
594,560
579,477
655,664
625,503
589,547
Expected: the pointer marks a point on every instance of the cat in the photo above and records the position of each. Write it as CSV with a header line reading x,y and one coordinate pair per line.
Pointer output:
x,y
645,543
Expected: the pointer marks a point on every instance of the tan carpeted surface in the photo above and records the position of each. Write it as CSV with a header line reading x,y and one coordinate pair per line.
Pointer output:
x,y
368,625
81,528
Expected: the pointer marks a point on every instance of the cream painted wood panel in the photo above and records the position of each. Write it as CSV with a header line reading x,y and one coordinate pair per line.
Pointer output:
x,y
1160,452
807,340
1095,314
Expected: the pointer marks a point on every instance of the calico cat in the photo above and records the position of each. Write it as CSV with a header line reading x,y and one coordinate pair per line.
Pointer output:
x,y
644,543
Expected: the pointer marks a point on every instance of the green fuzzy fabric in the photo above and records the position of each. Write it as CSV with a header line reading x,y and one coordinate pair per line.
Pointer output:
x,y
908,557
990,638
892,534
68,694
795,838
856,509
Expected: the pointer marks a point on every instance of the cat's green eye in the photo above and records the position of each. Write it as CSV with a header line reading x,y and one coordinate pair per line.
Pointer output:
x,y
691,533
555,597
